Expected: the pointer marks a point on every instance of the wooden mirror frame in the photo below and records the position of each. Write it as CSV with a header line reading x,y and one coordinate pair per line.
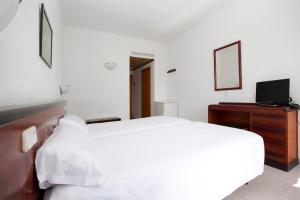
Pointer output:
x,y
239,62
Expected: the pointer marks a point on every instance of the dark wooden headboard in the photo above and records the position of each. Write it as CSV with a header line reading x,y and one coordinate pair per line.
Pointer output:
x,y
18,178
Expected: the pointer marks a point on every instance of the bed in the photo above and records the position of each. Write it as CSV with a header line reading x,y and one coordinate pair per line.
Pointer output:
x,y
166,159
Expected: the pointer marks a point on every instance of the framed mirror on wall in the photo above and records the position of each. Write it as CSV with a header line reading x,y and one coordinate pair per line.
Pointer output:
x,y
46,38
228,67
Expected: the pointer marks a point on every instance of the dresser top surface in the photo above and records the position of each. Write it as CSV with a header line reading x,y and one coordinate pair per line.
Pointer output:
x,y
249,107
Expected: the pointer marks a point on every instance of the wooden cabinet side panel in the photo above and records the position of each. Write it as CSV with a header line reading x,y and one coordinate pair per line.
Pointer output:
x,y
292,136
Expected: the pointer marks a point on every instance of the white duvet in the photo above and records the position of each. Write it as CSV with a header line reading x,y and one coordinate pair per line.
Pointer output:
x,y
184,161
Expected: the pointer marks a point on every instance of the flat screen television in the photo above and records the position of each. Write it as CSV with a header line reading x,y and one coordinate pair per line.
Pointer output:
x,y
275,92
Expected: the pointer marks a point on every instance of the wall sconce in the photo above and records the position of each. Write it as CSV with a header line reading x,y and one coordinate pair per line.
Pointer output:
x,y
110,66
171,71
8,9
64,89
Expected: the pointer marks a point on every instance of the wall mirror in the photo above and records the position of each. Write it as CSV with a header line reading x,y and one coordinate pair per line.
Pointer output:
x,y
228,67
46,38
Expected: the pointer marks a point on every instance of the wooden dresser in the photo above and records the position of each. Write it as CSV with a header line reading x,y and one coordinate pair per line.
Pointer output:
x,y
277,125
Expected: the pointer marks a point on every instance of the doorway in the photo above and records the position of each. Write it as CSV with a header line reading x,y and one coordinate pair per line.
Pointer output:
x,y
140,87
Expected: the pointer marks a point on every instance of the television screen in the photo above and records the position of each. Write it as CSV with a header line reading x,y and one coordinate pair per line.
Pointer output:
x,y
273,92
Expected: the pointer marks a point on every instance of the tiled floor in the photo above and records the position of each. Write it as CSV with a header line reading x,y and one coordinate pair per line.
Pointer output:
x,y
272,185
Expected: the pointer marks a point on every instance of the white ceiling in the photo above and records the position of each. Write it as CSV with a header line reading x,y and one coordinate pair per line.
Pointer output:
x,y
160,20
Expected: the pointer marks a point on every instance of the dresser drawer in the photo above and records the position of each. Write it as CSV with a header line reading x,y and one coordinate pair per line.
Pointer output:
x,y
275,150
269,134
269,122
275,157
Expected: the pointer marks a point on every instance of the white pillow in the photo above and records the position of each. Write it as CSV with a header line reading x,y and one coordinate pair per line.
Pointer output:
x,y
67,157
74,120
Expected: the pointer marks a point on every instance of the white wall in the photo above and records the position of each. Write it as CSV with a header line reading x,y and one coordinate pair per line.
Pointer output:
x,y
270,35
96,92
137,89
25,78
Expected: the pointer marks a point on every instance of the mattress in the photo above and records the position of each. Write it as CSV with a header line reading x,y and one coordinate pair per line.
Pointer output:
x,y
188,160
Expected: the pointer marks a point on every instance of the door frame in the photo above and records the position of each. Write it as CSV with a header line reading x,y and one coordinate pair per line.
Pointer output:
x,y
152,77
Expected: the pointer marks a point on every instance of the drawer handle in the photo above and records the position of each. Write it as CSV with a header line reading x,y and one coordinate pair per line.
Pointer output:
x,y
279,130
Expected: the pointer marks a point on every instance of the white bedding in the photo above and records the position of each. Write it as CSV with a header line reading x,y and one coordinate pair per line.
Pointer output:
x,y
115,128
184,161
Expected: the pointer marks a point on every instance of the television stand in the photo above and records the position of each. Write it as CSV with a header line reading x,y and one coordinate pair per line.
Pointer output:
x,y
277,125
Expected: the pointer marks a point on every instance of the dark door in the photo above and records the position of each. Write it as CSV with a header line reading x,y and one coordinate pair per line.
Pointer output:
x,y
146,92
